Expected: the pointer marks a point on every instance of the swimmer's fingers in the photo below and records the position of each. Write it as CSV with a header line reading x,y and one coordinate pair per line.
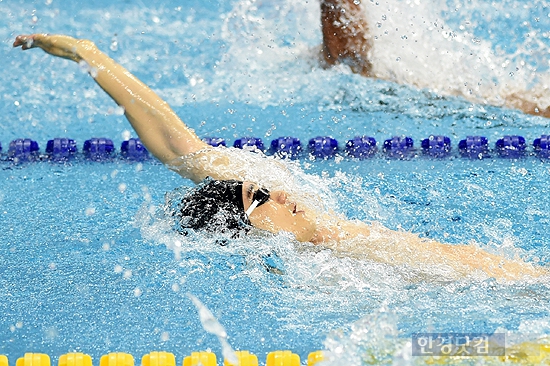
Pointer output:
x,y
28,41
57,45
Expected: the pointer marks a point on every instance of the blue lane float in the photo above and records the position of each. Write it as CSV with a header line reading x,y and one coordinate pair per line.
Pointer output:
x,y
98,149
323,147
542,146
474,147
133,149
286,147
399,147
215,141
320,147
361,147
61,149
511,146
23,150
437,146
250,143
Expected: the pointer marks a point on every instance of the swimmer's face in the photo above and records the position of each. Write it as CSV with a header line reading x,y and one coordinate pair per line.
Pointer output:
x,y
278,214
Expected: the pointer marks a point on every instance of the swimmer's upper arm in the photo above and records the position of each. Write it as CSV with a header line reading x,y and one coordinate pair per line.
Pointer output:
x,y
159,128
161,131
208,162
165,136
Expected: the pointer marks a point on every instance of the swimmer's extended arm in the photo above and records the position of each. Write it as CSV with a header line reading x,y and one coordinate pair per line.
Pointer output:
x,y
159,128
346,36
403,248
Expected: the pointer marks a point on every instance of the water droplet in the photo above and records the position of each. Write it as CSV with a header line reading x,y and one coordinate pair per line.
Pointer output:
x,y
114,44
126,134
122,187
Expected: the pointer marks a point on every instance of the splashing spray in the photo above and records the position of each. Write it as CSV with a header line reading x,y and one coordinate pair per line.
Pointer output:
x,y
212,326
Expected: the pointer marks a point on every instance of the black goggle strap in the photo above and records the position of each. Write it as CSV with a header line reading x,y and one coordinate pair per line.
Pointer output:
x,y
260,197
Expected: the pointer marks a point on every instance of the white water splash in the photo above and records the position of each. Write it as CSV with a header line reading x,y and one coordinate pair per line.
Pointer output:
x,y
212,326
371,340
413,44
432,45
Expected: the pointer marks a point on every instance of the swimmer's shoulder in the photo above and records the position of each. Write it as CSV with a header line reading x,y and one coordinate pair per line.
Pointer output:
x,y
201,163
220,163
225,163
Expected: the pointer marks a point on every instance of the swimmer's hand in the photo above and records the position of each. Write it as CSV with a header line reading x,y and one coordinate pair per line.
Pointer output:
x,y
57,45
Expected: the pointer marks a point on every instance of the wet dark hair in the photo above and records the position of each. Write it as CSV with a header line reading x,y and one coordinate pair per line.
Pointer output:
x,y
215,206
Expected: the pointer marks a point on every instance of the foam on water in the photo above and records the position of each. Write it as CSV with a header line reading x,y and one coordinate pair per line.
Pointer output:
x,y
415,44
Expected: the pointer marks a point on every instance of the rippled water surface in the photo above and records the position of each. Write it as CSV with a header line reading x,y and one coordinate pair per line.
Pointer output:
x,y
90,262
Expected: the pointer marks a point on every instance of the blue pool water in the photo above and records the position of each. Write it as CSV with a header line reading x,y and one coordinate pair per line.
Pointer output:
x,y
89,262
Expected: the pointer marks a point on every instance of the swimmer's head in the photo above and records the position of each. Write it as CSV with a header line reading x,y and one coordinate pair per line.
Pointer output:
x,y
217,206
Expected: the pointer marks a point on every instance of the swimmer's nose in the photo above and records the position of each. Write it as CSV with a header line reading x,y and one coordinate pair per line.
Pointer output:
x,y
279,197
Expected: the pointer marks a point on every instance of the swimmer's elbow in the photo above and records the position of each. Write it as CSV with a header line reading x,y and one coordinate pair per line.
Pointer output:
x,y
86,50
87,44
185,146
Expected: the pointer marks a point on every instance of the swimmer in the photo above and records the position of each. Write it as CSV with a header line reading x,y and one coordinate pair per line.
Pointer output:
x,y
346,36
346,40
226,202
